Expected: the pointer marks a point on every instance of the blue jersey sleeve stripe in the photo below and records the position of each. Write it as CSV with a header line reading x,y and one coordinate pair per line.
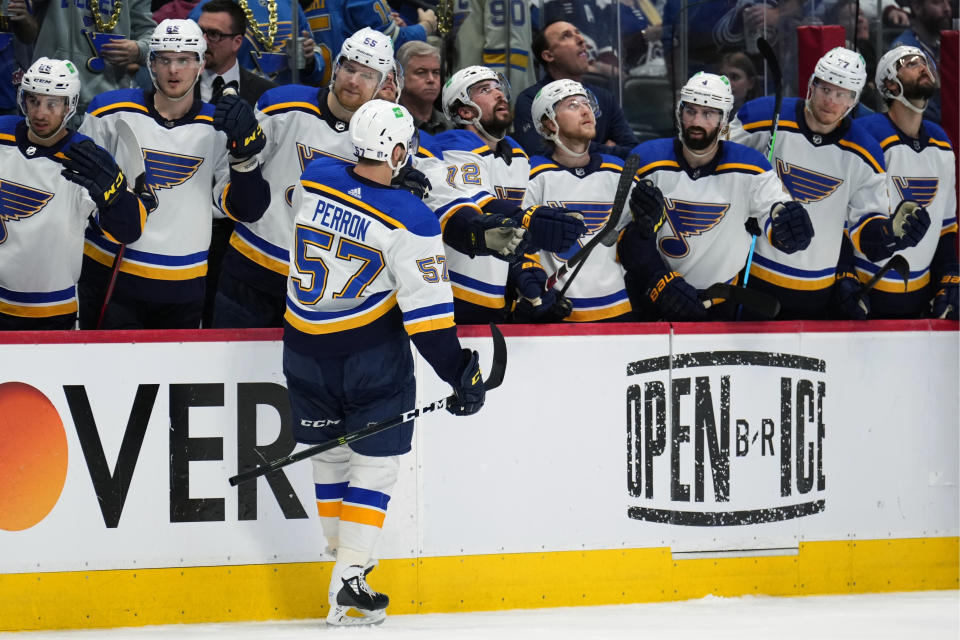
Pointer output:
x,y
424,312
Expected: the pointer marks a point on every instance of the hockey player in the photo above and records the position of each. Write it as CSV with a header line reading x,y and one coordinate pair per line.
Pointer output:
x,y
490,166
920,167
835,169
708,188
185,145
367,276
51,180
572,177
301,124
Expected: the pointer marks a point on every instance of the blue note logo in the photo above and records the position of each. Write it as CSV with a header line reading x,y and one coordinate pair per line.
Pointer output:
x,y
689,219
595,214
18,201
167,170
923,190
804,185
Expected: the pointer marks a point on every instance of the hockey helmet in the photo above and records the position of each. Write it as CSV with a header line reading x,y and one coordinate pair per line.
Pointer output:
x,y
178,36
377,127
51,77
547,99
888,70
368,47
708,90
456,91
842,67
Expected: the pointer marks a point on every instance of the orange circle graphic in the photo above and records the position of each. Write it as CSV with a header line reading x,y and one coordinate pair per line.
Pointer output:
x,y
33,456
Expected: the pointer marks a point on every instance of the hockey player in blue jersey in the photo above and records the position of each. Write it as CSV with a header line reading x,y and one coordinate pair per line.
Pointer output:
x,y
51,180
571,177
367,276
920,167
493,170
690,209
195,155
836,170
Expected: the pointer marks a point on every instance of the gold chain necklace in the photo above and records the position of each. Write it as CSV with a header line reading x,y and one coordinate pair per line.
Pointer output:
x,y
104,27
266,41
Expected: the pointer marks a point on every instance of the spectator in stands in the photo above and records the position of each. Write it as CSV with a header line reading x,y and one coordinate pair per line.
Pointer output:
x,y
421,76
845,13
18,31
641,28
66,30
927,19
562,51
598,25
742,74
177,9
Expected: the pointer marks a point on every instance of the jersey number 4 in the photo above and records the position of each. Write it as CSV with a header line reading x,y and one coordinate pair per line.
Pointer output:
x,y
313,272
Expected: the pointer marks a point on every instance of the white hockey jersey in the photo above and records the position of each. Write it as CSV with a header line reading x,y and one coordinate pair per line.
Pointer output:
x,y
598,292
839,178
704,237
186,169
299,128
484,175
482,39
367,261
922,170
42,220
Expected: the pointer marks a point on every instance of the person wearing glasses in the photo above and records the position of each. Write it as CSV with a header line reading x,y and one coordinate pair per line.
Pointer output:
x,y
920,166
193,154
835,168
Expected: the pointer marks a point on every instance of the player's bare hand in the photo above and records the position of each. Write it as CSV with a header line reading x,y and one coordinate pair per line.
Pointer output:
x,y
120,52
17,10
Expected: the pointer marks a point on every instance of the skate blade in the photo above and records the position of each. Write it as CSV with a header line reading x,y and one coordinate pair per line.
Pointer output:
x,y
338,617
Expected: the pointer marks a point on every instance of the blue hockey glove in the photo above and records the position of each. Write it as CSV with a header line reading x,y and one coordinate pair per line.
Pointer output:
x,y
535,304
94,169
674,298
235,117
647,208
493,235
791,229
553,229
906,227
944,303
468,386
846,295
412,180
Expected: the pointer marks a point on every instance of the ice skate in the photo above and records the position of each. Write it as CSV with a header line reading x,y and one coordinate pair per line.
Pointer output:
x,y
355,593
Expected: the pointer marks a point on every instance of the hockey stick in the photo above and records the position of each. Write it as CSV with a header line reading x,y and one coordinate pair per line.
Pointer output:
x,y
763,304
128,148
607,231
497,369
897,263
771,59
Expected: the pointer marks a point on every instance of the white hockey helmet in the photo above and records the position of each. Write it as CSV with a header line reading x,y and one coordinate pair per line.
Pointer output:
x,y
397,73
178,36
51,77
842,67
456,91
708,90
376,129
546,100
368,47
889,67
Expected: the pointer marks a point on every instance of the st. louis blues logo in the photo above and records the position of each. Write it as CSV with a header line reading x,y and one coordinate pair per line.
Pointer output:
x,y
689,219
805,185
307,154
167,170
595,214
512,194
18,201
923,190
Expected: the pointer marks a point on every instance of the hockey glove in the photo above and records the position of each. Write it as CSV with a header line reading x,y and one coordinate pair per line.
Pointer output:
x,y
94,169
245,138
674,298
535,304
412,180
791,229
468,386
647,208
553,229
145,193
906,227
846,295
493,235
944,303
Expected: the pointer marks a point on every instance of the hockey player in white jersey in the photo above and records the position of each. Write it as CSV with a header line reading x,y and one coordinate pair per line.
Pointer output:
x,y
920,167
51,180
836,170
367,276
490,166
301,124
708,188
573,178
194,155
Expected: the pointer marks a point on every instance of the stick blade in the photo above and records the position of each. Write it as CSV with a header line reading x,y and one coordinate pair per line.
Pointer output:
x,y
899,264
499,365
